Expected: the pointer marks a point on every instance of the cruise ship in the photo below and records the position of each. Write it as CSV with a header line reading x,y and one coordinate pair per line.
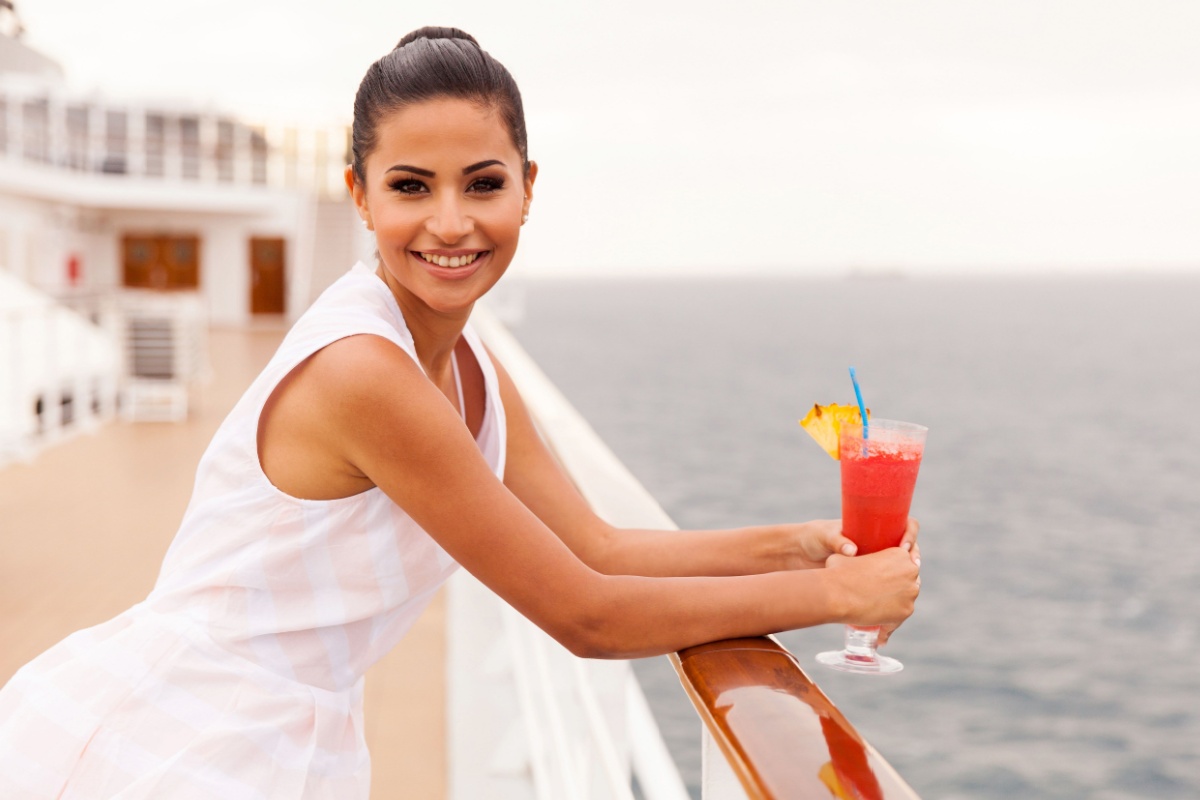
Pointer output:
x,y
151,258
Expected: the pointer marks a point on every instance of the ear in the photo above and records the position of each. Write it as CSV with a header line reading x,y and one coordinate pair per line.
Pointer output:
x,y
530,177
359,196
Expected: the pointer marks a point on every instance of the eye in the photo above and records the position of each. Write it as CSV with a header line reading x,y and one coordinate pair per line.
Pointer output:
x,y
407,186
486,185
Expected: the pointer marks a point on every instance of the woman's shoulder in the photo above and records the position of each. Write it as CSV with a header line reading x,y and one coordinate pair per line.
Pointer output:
x,y
330,416
364,358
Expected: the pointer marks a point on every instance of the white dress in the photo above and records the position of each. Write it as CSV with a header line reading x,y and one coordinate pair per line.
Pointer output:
x,y
240,675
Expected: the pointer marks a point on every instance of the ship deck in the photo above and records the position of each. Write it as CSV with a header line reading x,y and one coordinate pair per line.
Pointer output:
x,y
84,526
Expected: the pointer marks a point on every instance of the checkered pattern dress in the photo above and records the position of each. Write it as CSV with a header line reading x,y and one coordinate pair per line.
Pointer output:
x,y
240,676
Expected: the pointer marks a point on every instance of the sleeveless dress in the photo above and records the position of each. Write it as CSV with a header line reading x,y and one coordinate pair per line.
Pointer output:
x,y
240,675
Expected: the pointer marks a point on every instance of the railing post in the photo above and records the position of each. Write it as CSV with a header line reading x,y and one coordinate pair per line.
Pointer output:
x,y
287,158
135,141
651,761
56,127
16,127
208,148
12,416
6,125
243,161
717,779
96,131
172,147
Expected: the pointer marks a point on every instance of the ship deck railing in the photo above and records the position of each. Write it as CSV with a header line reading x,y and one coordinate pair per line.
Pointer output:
x,y
71,362
768,731
45,126
59,371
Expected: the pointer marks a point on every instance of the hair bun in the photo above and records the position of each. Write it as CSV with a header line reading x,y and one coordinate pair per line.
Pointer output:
x,y
434,32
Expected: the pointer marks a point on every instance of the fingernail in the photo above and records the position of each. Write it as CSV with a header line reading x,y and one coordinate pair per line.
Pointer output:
x,y
907,545
848,549
917,561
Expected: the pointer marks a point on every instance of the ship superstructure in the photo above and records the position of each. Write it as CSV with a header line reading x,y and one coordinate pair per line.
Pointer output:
x,y
128,227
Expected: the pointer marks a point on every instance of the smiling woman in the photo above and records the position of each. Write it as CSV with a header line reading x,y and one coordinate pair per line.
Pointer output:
x,y
444,187
446,191
380,449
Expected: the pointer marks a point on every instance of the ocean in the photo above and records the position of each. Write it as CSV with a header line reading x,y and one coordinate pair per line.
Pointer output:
x,y
1055,650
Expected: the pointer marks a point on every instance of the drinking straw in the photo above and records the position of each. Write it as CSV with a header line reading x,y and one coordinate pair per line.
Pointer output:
x,y
862,409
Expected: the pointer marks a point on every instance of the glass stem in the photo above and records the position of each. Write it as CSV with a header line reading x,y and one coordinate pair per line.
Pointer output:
x,y
861,643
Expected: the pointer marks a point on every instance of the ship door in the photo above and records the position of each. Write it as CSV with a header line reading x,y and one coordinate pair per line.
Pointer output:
x,y
266,275
160,262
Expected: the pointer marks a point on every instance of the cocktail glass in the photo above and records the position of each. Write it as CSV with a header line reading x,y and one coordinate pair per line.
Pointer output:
x,y
879,473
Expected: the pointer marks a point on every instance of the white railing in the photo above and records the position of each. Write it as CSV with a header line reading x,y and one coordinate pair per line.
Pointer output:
x,y
69,363
528,720
59,372
47,127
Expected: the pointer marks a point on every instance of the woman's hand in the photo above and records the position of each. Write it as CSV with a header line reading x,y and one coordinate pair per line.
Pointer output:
x,y
909,542
910,539
808,544
895,584
876,589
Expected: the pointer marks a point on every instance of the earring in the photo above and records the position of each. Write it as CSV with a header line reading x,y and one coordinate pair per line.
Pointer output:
x,y
524,219
364,222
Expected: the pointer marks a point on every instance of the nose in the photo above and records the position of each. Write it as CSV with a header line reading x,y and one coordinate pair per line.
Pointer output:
x,y
449,221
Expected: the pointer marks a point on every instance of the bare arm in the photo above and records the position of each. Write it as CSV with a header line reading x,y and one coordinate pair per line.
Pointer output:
x,y
376,410
535,476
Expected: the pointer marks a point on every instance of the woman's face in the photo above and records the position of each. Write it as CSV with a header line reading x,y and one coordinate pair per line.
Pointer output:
x,y
444,191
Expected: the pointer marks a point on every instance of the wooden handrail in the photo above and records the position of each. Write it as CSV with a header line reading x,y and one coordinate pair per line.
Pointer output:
x,y
781,735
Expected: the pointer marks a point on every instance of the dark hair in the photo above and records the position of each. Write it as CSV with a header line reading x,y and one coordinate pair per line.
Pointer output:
x,y
430,63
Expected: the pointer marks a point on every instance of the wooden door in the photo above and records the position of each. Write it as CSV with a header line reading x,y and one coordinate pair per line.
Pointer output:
x,y
160,261
266,275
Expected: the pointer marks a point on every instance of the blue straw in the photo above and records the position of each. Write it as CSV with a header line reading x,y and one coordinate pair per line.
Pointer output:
x,y
862,409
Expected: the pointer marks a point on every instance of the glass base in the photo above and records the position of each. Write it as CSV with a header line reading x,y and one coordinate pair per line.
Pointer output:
x,y
844,661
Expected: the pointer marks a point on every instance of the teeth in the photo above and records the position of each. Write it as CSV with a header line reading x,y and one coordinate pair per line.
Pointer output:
x,y
450,261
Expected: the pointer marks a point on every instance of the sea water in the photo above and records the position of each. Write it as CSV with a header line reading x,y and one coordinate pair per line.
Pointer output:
x,y
1055,650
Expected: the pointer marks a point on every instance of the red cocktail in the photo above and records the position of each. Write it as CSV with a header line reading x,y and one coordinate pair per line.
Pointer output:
x,y
879,473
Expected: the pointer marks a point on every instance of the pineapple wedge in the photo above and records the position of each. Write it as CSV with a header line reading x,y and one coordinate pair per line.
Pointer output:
x,y
824,424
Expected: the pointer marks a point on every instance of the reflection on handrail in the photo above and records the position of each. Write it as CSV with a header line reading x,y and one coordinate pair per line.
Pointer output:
x,y
780,734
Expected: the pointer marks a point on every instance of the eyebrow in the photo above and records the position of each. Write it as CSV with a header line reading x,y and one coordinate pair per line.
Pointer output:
x,y
481,165
426,173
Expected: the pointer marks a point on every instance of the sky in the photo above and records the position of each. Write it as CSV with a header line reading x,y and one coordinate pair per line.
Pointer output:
x,y
751,137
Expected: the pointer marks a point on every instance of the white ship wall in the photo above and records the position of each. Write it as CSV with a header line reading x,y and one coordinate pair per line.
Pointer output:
x,y
23,236
224,251
39,237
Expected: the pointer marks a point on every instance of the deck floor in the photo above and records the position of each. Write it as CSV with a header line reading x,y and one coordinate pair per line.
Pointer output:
x,y
84,526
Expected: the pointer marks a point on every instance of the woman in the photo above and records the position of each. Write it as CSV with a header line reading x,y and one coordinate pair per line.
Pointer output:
x,y
381,448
